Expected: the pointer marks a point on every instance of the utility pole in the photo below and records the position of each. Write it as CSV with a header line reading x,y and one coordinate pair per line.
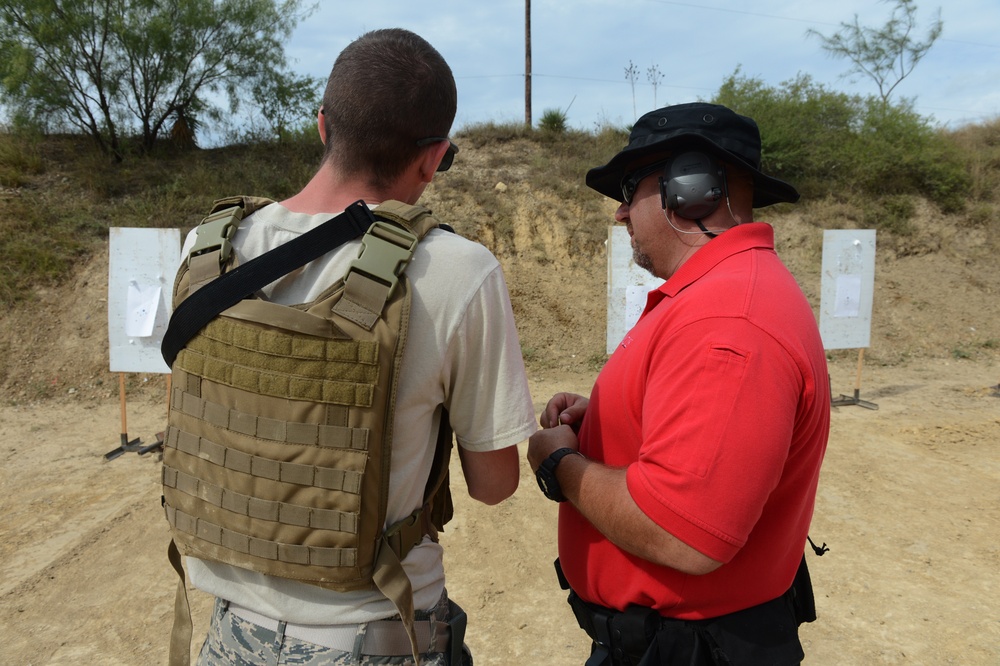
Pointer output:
x,y
527,62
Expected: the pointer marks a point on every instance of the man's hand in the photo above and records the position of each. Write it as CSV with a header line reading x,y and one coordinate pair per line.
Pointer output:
x,y
544,442
561,421
564,409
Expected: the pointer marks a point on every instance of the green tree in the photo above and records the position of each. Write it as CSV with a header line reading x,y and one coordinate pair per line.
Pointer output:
x,y
887,55
287,104
116,68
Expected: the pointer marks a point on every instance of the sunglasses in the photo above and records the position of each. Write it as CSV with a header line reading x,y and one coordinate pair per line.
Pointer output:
x,y
631,181
449,157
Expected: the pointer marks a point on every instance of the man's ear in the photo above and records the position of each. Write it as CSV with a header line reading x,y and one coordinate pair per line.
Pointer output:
x,y
321,125
431,160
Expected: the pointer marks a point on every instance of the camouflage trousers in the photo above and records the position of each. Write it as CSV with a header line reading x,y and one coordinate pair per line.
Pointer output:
x,y
235,641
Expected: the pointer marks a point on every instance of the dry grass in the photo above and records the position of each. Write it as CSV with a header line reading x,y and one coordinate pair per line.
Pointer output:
x,y
980,144
60,195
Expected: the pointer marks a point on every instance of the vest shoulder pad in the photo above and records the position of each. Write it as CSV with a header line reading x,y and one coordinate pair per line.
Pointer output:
x,y
417,219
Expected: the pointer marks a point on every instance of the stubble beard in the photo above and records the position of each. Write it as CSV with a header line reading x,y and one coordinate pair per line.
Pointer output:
x,y
641,259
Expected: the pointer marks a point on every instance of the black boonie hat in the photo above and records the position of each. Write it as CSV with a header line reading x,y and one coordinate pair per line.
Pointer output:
x,y
697,125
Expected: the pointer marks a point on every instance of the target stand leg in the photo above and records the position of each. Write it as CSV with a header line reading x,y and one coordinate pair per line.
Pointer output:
x,y
126,447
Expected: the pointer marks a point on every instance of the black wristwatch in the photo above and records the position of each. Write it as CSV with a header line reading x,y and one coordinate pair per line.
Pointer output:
x,y
546,474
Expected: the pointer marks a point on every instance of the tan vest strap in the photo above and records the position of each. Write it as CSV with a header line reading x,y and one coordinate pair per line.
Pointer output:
x,y
262,548
212,247
249,204
279,512
389,576
327,436
273,314
363,300
406,534
386,250
348,481
392,581
201,270
180,635
213,236
189,383
417,219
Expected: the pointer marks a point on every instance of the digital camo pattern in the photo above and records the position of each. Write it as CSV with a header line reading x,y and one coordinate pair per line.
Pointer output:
x,y
234,641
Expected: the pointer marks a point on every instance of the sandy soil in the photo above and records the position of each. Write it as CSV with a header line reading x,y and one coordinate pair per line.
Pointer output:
x,y
909,505
909,500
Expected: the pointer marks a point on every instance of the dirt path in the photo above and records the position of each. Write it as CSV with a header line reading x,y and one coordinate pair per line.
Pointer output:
x,y
909,505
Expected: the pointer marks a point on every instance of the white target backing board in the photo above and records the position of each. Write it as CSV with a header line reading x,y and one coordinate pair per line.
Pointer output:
x,y
142,264
627,286
847,288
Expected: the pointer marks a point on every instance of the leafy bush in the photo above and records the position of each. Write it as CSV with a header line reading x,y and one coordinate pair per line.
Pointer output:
x,y
824,141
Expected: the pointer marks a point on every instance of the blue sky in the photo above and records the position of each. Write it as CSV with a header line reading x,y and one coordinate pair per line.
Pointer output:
x,y
581,49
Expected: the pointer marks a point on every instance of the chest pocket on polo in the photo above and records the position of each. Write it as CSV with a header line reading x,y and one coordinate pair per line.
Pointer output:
x,y
719,384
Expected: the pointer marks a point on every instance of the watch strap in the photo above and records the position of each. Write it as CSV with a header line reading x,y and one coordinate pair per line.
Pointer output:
x,y
546,474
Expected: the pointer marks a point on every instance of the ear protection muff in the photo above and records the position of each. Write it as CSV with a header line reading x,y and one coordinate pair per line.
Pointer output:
x,y
692,185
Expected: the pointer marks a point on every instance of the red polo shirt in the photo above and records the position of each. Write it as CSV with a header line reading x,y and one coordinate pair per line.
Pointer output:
x,y
718,403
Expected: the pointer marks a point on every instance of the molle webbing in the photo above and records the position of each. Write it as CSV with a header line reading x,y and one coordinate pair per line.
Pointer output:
x,y
259,548
320,519
272,363
329,436
348,481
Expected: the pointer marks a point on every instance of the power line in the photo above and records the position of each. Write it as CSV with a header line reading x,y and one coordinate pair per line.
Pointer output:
x,y
578,78
727,10
738,11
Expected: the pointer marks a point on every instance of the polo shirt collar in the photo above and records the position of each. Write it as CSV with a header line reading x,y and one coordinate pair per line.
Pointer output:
x,y
743,237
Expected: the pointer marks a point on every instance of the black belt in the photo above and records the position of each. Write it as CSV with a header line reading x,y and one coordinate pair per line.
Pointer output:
x,y
639,636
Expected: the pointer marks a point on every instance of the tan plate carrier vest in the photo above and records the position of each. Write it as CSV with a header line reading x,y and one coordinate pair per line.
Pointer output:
x,y
277,452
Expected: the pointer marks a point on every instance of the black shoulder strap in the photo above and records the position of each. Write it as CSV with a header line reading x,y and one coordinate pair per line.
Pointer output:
x,y
230,288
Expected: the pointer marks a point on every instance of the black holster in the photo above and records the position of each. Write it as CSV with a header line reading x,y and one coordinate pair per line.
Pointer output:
x,y
457,622
619,637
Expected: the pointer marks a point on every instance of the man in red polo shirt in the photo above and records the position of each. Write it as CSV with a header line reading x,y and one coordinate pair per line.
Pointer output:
x,y
689,475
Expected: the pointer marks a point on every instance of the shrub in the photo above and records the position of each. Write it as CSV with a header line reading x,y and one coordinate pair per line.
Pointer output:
x,y
553,120
830,142
19,158
980,147
893,214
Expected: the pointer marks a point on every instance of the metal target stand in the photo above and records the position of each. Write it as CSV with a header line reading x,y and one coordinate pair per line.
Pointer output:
x,y
135,445
846,401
